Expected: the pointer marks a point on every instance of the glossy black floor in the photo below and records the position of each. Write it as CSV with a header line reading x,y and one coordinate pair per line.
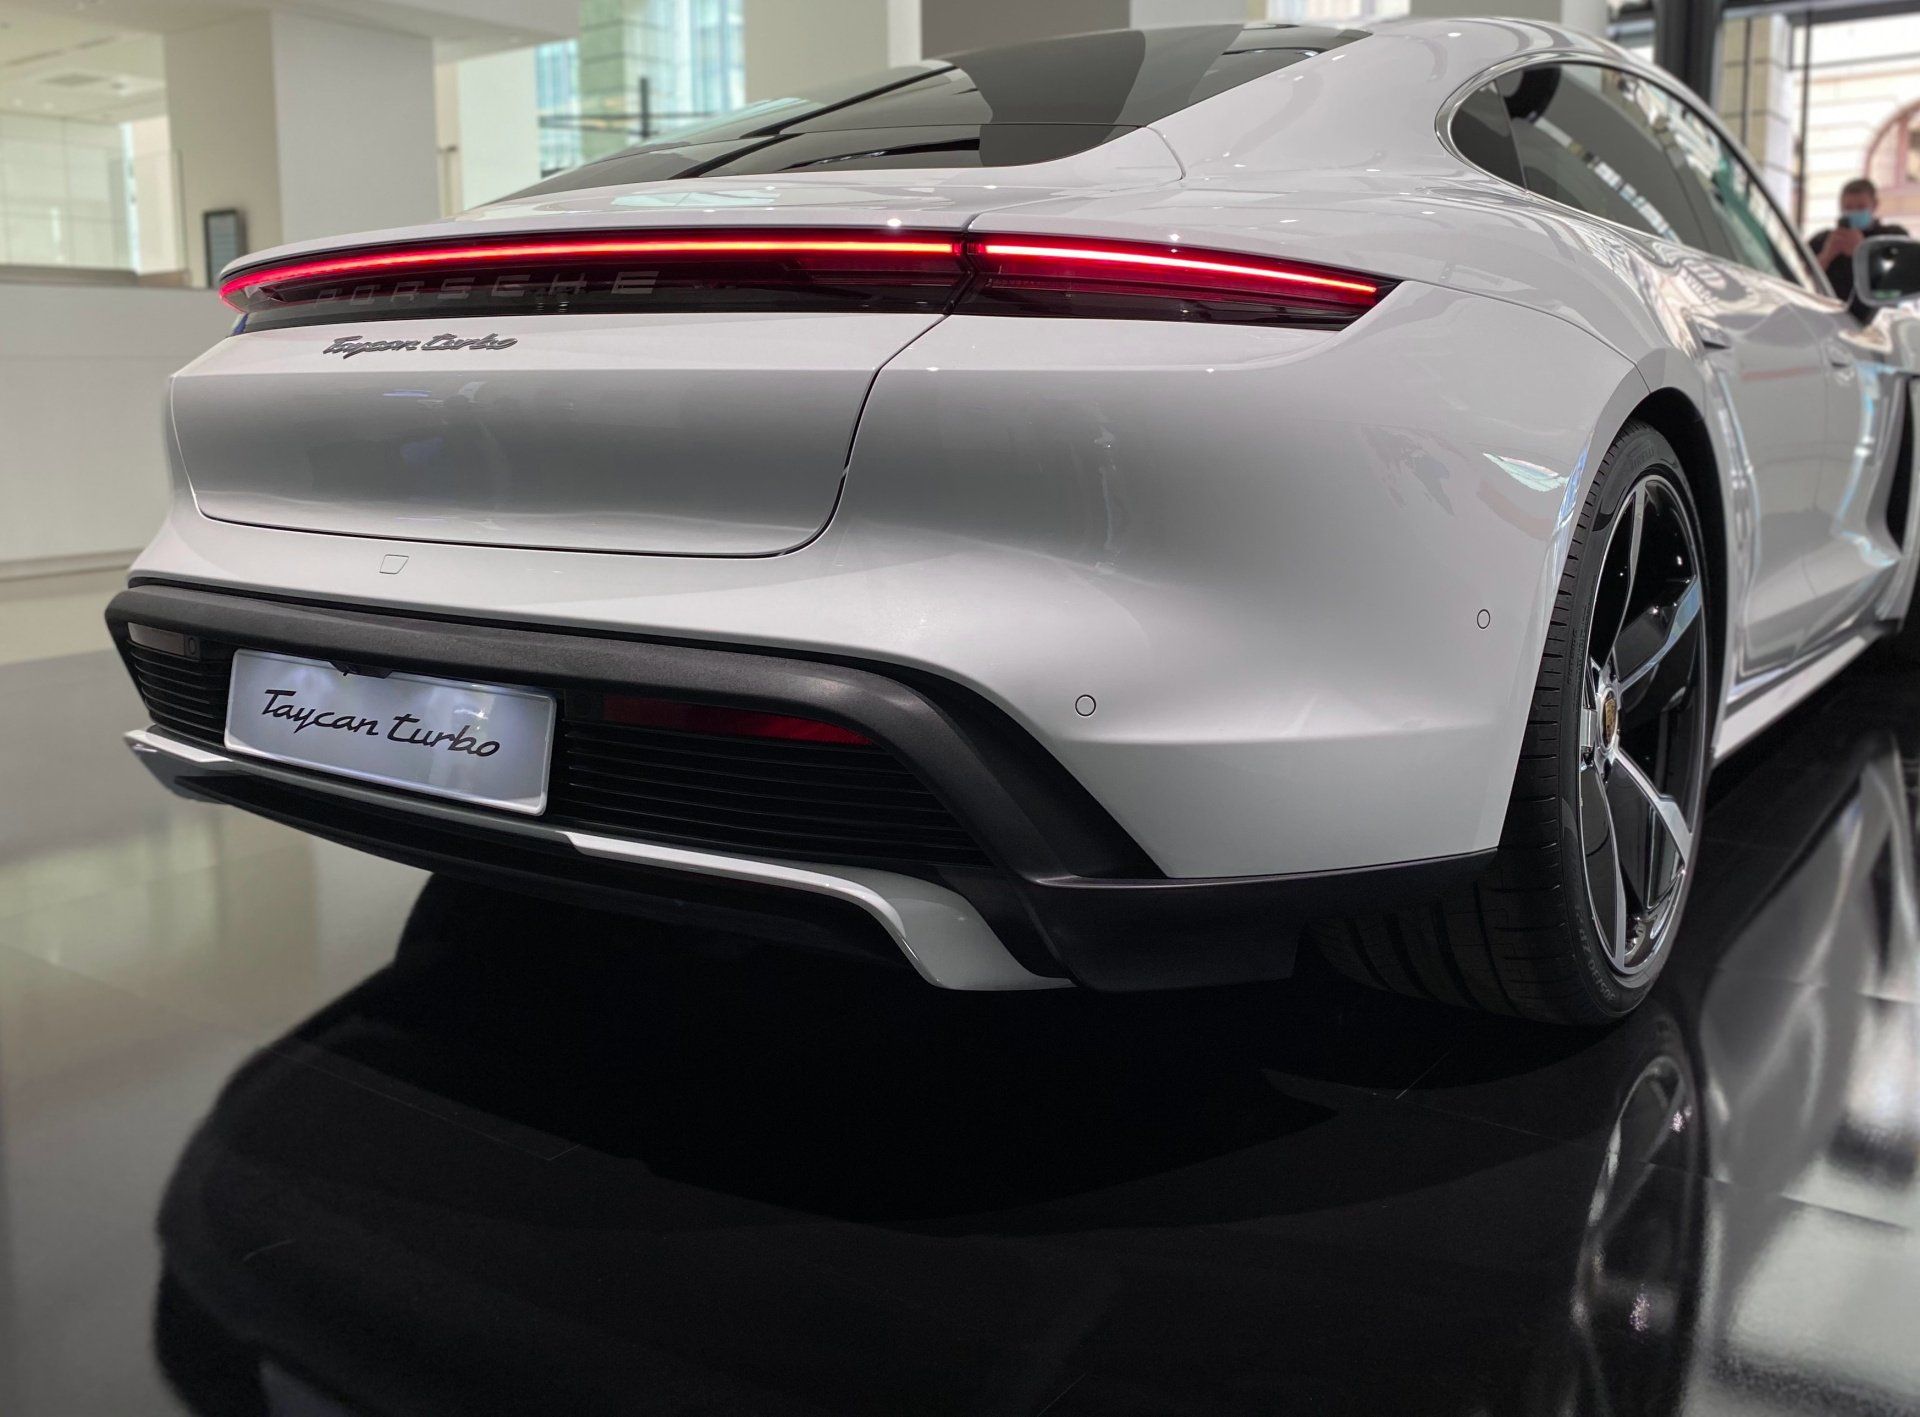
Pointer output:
x,y
554,1162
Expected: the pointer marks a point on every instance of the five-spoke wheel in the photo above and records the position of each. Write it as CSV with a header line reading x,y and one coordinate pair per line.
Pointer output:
x,y
1642,730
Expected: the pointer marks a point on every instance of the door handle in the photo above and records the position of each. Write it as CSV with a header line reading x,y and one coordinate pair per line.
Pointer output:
x,y
1838,355
1710,335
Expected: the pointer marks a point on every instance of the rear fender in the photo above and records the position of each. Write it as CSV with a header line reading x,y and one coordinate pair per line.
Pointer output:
x,y
1305,577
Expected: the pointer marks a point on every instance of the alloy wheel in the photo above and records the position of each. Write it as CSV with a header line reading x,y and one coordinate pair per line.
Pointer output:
x,y
1643,725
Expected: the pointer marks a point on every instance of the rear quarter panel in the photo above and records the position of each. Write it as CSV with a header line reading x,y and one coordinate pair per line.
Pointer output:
x,y
1304,577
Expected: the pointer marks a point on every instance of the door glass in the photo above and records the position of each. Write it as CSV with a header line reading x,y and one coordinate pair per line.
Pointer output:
x,y
1750,231
1587,137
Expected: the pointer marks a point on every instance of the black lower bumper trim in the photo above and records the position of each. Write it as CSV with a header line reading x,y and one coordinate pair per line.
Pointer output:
x,y
1171,934
1068,892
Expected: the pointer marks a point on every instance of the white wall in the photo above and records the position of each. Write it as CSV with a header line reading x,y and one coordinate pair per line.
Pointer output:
x,y
1196,12
947,26
309,127
354,111
791,46
220,103
1588,15
83,371
156,196
903,33
495,128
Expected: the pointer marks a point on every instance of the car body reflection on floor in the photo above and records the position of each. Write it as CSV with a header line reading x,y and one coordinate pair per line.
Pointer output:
x,y
540,1165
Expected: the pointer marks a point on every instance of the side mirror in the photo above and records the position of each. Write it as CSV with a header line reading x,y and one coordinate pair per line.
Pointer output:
x,y
1886,270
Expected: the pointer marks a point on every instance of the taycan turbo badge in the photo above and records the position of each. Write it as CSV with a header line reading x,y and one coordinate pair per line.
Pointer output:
x,y
1335,406
347,346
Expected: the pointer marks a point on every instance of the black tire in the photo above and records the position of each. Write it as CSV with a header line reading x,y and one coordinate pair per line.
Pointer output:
x,y
1526,939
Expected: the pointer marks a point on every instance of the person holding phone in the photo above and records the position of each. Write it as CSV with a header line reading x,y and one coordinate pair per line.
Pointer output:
x,y
1859,219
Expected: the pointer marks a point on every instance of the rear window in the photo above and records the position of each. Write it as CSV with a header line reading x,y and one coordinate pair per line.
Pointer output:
x,y
1000,107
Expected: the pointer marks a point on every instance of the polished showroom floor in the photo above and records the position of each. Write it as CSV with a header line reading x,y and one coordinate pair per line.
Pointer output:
x,y
285,1128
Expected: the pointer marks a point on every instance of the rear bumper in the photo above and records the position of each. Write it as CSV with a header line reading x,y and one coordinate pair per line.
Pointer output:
x,y
935,930
1067,896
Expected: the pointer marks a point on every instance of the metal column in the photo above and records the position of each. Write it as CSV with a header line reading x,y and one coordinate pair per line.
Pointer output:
x,y
1686,42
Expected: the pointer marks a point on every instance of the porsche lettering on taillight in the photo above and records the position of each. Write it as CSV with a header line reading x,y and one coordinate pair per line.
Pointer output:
x,y
829,270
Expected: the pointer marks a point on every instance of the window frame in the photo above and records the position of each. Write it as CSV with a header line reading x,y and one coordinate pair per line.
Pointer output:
x,y
1814,280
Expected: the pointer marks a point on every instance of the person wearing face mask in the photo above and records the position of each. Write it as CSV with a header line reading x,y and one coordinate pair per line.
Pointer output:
x,y
1859,219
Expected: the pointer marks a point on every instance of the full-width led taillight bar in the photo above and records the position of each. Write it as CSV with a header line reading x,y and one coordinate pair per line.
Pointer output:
x,y
800,270
1049,275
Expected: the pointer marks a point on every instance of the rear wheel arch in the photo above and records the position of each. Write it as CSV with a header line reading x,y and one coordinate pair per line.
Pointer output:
x,y
1528,938
1674,415
1665,395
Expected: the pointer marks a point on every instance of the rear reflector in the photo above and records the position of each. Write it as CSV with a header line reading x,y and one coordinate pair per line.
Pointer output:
x,y
639,712
837,270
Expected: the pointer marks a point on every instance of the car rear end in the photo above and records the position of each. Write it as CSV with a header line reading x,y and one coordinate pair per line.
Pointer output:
x,y
844,558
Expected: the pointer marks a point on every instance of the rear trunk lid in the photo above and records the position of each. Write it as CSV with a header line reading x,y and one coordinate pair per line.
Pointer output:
x,y
712,431
695,435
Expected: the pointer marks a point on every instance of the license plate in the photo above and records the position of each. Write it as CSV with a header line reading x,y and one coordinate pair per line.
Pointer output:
x,y
488,744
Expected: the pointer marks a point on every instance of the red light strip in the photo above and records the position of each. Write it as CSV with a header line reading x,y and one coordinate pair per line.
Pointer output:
x,y
489,254
635,711
1044,259
1153,261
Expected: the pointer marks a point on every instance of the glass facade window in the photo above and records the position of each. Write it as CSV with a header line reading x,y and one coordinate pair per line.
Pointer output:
x,y
647,67
1334,12
556,71
693,61
65,193
88,177
639,69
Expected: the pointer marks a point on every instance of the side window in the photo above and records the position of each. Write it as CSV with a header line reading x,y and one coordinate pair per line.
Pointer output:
x,y
1586,137
1484,134
1610,143
1750,230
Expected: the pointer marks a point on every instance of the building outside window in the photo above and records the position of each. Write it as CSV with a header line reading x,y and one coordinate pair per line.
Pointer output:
x,y
1862,90
86,169
1893,162
557,88
1334,12
1894,159
646,67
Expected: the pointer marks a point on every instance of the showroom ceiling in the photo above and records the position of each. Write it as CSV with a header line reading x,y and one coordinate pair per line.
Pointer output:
x,y
63,66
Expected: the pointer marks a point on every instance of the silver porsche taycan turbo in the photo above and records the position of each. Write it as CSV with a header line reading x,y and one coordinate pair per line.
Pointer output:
x,y
1102,511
